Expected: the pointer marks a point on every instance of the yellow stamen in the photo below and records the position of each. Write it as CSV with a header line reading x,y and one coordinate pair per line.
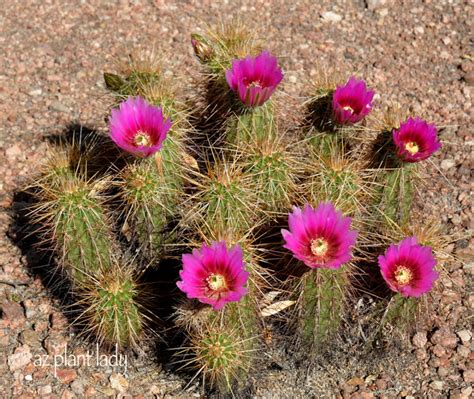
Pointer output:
x,y
348,108
142,139
216,282
319,247
403,275
412,147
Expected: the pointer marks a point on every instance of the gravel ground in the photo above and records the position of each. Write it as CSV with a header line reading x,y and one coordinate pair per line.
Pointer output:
x,y
417,53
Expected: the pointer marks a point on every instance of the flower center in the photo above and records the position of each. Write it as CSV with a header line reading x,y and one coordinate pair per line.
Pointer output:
x,y
348,108
319,247
216,282
403,275
142,139
255,83
412,147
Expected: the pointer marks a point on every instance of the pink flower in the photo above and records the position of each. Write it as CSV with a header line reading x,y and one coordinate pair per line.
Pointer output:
x,y
415,140
138,127
319,237
254,79
214,275
408,268
351,102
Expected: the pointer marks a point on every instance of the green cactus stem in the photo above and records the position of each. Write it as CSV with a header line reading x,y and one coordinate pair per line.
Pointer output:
x,y
111,311
320,306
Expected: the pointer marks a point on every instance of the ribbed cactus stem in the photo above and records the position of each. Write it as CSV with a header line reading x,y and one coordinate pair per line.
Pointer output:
x,y
150,192
255,125
397,193
320,306
112,312
78,225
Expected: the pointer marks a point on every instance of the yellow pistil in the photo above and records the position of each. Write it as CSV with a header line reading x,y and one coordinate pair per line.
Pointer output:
x,y
403,275
319,247
348,108
216,282
142,139
412,147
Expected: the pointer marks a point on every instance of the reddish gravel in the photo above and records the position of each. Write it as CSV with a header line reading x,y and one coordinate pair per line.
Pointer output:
x,y
416,53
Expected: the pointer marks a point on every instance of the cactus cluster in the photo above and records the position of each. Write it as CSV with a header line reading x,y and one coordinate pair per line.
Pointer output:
x,y
271,225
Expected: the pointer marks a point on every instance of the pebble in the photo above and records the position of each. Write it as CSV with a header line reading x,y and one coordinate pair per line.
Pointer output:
x,y
419,339
35,92
118,382
20,358
445,338
60,107
45,390
12,310
375,4
437,385
330,16
66,376
464,335
468,376
447,164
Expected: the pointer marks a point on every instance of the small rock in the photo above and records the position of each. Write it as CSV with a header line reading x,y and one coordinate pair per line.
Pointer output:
x,y
118,382
55,344
463,351
446,40
58,106
12,310
20,358
330,16
447,164
14,152
375,4
419,339
67,394
439,350
468,376
35,92
28,377
445,338
464,335
45,390
467,391
443,372
66,376
355,381
419,29
29,337
77,387
469,78
437,385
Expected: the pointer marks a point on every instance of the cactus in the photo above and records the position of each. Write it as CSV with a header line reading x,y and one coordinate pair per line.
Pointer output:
x,y
111,311
245,180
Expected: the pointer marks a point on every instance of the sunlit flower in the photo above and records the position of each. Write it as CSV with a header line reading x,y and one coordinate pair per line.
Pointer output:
x,y
138,127
351,102
214,275
408,268
416,140
254,79
320,237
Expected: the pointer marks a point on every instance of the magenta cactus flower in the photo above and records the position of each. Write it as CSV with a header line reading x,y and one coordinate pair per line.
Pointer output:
x,y
351,102
321,237
138,127
408,268
416,140
214,275
254,79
